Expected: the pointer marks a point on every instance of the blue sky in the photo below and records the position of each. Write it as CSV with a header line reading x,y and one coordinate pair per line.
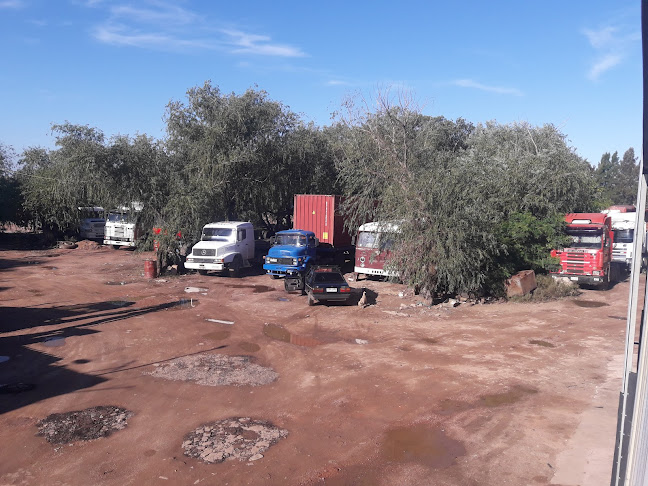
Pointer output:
x,y
116,64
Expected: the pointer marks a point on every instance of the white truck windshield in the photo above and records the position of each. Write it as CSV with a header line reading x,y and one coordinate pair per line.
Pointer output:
x,y
217,234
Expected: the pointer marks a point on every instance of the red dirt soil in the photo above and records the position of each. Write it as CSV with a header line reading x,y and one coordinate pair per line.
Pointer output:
x,y
491,394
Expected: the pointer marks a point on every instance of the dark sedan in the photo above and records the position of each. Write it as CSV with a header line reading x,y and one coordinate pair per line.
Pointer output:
x,y
326,283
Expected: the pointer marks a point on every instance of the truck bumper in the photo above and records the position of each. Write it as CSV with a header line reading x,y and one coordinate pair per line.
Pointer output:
x,y
282,271
217,267
581,279
113,241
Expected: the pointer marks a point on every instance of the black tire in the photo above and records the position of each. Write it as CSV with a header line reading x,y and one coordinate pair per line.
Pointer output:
x,y
115,247
311,299
235,267
202,272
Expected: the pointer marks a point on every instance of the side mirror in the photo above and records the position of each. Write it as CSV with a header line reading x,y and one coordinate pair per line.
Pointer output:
x,y
316,241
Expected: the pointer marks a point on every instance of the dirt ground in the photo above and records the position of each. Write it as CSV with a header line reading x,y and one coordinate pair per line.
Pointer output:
x,y
241,383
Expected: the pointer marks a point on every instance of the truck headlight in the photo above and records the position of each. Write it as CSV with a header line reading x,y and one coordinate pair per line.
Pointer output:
x,y
190,260
218,260
596,272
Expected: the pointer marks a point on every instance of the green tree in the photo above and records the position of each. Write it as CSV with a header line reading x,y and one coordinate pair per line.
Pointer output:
x,y
474,203
628,179
242,156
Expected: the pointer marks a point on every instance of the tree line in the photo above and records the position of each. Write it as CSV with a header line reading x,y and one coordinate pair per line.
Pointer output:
x,y
475,203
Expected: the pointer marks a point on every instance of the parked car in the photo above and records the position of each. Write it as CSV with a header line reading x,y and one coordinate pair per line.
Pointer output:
x,y
325,283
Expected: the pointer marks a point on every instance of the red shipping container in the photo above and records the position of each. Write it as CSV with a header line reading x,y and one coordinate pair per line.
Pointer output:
x,y
321,215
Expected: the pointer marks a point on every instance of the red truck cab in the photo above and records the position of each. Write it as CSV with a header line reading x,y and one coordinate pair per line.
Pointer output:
x,y
587,259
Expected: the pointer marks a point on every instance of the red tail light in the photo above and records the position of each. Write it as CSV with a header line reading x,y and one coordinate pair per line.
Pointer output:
x,y
345,289
318,291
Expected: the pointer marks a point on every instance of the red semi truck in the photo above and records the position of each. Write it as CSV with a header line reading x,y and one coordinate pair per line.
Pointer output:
x,y
588,258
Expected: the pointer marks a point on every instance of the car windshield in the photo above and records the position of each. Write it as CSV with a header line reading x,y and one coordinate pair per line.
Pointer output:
x,y
291,240
585,239
328,277
623,236
217,234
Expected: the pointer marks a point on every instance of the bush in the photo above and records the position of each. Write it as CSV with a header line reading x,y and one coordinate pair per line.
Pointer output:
x,y
548,289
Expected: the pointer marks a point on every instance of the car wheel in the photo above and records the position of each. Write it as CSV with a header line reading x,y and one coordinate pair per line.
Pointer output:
x,y
202,272
115,247
311,299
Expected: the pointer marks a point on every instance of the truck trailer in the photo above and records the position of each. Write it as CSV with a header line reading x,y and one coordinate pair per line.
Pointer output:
x,y
318,237
588,258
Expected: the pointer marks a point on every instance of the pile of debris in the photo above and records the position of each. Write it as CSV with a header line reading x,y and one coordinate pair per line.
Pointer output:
x,y
89,424
239,438
216,370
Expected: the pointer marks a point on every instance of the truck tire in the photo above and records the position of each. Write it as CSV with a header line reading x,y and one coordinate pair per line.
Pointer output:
x,y
235,267
115,247
311,299
202,272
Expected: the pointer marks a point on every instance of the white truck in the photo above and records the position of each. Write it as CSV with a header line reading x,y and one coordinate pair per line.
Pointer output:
x,y
226,246
92,223
122,226
623,227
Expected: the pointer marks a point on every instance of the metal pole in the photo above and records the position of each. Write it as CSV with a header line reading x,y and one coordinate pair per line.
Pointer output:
x,y
631,454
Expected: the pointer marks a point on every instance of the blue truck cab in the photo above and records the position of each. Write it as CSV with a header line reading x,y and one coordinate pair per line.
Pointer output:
x,y
293,252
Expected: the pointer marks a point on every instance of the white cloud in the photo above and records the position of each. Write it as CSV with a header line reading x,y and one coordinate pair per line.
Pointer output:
x,y
469,83
604,64
12,4
160,25
119,36
162,14
338,82
244,43
612,45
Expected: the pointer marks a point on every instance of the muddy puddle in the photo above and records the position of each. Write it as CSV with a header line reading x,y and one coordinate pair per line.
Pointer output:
x,y
54,341
217,335
430,447
280,333
450,406
256,289
183,304
239,438
91,423
589,303
120,303
515,394
116,282
540,342
249,347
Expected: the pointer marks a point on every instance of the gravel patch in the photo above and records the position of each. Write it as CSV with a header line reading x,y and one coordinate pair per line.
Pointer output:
x,y
91,423
239,438
216,370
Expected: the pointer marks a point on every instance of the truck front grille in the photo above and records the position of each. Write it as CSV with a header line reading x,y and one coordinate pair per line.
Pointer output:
x,y
575,263
204,252
203,260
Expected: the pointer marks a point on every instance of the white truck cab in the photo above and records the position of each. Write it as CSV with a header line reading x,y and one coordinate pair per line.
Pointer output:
x,y
122,226
92,223
227,245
